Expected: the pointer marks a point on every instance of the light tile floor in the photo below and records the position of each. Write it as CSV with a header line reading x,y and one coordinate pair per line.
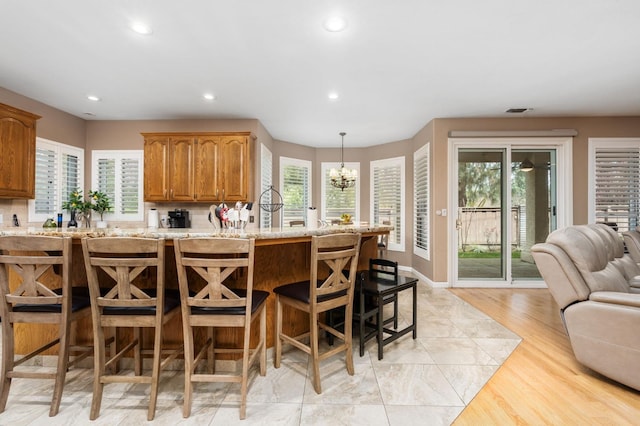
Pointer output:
x,y
429,380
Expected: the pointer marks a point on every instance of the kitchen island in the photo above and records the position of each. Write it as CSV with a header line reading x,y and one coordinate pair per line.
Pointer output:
x,y
282,256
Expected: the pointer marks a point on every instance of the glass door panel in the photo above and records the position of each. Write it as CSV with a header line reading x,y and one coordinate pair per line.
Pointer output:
x,y
533,206
480,221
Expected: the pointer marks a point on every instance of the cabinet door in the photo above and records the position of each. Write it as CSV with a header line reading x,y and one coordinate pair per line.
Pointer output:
x,y
234,167
206,177
181,169
156,167
17,154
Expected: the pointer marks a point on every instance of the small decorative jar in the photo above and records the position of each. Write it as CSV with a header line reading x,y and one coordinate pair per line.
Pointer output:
x,y
49,223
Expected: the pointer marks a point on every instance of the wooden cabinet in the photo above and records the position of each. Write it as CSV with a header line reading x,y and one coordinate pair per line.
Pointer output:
x,y
17,153
196,167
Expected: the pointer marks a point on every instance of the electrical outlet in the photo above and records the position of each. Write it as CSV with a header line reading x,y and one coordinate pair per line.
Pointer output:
x,y
251,219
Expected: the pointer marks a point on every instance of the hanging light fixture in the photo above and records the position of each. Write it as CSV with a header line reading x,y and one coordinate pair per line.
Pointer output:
x,y
343,178
526,165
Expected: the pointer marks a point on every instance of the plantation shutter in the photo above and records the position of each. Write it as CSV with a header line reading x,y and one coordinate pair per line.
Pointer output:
x,y
119,175
130,188
46,182
336,201
266,181
59,171
421,202
107,178
388,197
295,178
617,181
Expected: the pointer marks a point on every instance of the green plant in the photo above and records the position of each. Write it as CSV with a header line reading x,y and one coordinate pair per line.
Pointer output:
x,y
99,202
75,202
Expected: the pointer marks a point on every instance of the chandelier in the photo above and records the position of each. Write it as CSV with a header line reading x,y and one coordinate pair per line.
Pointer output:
x,y
343,178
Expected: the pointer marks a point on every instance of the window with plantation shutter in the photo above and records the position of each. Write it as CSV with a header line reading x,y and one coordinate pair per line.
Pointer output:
x,y
266,181
421,202
119,175
295,188
59,171
387,198
335,201
615,182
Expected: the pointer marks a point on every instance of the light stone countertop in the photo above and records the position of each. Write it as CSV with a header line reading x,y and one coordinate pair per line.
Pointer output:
x,y
172,233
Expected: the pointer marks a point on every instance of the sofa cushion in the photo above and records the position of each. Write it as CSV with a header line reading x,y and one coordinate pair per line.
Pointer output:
x,y
590,256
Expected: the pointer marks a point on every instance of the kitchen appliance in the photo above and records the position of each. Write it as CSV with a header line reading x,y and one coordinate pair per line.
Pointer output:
x,y
179,218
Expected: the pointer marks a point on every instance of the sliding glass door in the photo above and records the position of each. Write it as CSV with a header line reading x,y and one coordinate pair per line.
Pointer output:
x,y
506,202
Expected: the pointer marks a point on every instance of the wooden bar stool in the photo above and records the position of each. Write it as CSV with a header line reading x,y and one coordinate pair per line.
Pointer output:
x,y
37,260
127,301
209,300
316,296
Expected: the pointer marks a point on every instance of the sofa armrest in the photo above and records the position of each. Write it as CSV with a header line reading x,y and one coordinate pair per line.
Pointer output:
x,y
635,282
616,298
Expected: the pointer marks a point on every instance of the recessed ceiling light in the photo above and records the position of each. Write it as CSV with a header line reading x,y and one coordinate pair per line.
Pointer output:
x,y
333,96
93,98
141,28
335,24
209,96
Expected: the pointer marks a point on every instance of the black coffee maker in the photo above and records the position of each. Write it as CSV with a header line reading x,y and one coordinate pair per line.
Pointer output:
x,y
179,218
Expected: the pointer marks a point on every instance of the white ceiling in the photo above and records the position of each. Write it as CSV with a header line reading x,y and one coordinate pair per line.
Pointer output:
x,y
398,64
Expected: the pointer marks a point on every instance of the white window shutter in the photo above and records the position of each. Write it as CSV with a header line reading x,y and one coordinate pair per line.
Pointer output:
x,y
59,171
617,186
335,201
295,188
266,181
119,175
387,198
421,202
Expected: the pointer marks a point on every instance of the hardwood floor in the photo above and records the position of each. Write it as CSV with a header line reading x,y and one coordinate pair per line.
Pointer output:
x,y
541,382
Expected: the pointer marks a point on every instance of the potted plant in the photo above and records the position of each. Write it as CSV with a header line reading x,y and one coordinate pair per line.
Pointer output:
x,y
100,203
73,205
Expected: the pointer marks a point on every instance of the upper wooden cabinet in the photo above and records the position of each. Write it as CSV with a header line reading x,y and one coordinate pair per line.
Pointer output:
x,y
17,152
206,167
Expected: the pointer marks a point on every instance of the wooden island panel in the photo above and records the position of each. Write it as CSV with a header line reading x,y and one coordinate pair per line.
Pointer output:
x,y
278,261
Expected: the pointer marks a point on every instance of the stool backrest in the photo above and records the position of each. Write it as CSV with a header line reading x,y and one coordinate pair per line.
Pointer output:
x,y
383,270
126,261
32,258
215,260
337,252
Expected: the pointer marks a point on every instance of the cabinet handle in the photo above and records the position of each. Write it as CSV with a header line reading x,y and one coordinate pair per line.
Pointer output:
x,y
164,193
171,192
217,191
222,194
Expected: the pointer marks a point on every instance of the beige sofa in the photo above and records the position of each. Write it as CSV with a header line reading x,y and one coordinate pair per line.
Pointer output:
x,y
594,282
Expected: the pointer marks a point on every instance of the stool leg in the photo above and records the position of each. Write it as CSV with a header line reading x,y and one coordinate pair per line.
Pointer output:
x,y
380,324
155,373
7,363
278,342
61,371
314,351
99,348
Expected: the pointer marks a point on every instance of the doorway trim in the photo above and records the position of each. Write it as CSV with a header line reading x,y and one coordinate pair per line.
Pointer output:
x,y
564,191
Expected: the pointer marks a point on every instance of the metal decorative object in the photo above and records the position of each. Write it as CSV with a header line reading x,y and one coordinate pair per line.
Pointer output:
x,y
273,196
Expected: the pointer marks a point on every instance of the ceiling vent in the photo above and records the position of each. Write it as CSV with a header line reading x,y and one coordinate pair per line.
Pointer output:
x,y
517,110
